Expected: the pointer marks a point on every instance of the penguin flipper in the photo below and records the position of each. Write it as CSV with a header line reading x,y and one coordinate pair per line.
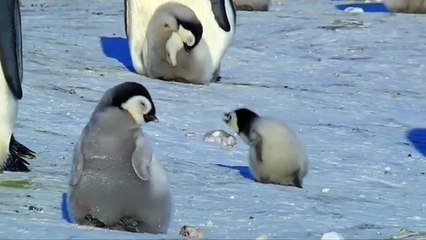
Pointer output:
x,y
219,12
141,159
77,164
11,45
18,156
256,141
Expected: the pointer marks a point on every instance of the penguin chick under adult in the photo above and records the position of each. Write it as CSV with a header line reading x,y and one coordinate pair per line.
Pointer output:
x,y
116,182
13,155
179,40
275,155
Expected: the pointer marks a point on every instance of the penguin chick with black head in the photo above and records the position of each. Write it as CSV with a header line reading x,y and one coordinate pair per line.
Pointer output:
x,y
275,155
116,182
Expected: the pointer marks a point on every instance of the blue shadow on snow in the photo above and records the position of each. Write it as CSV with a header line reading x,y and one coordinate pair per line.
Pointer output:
x,y
366,7
117,48
242,170
417,137
66,215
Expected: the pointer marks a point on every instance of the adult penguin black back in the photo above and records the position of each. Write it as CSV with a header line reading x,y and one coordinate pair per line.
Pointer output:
x,y
13,155
179,40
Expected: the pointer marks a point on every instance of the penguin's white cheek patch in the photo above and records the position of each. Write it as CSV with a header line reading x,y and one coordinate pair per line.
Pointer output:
x,y
137,107
173,46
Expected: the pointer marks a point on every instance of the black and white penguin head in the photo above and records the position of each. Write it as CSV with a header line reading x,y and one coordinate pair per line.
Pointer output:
x,y
135,99
182,20
241,120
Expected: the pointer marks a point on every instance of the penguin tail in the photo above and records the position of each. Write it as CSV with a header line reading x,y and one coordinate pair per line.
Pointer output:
x,y
18,156
296,179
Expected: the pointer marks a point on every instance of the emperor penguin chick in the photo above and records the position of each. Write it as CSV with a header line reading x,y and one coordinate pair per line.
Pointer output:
x,y
116,182
275,155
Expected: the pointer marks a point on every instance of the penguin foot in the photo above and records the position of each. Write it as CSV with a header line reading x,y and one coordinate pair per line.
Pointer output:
x,y
18,156
263,180
94,222
217,79
129,224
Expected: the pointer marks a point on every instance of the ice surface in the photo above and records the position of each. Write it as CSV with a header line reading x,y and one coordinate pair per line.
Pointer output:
x,y
351,94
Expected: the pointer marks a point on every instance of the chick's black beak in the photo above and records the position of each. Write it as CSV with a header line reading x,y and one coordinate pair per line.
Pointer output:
x,y
151,118
227,117
187,48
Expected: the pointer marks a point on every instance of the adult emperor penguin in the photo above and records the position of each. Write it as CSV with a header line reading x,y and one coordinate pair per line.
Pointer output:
x,y
116,182
406,6
275,155
13,155
179,40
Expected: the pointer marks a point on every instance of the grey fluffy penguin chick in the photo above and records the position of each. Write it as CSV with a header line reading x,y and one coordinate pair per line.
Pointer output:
x,y
116,182
275,155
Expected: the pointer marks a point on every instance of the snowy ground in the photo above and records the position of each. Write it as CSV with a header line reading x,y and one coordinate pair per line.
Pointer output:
x,y
350,94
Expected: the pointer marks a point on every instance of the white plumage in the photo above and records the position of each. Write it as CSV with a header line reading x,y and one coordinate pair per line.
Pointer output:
x,y
8,115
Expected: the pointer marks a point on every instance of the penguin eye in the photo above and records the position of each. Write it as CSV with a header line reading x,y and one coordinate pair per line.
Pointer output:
x,y
142,105
166,25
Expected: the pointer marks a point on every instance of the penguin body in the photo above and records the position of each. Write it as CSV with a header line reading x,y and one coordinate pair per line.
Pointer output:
x,y
275,154
116,181
179,40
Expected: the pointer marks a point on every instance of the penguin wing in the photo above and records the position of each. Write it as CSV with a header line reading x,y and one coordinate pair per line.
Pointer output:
x,y
11,45
219,12
77,165
256,141
125,18
141,159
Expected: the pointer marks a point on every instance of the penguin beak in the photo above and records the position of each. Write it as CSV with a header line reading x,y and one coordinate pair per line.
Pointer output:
x,y
187,48
151,118
227,118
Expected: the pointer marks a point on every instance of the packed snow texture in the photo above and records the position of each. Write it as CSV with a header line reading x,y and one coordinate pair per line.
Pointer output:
x,y
350,91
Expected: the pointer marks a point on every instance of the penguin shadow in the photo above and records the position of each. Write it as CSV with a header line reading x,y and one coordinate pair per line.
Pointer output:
x,y
366,7
417,137
117,48
242,170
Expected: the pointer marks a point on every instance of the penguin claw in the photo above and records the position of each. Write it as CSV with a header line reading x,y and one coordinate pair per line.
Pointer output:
x,y
129,224
94,221
18,156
